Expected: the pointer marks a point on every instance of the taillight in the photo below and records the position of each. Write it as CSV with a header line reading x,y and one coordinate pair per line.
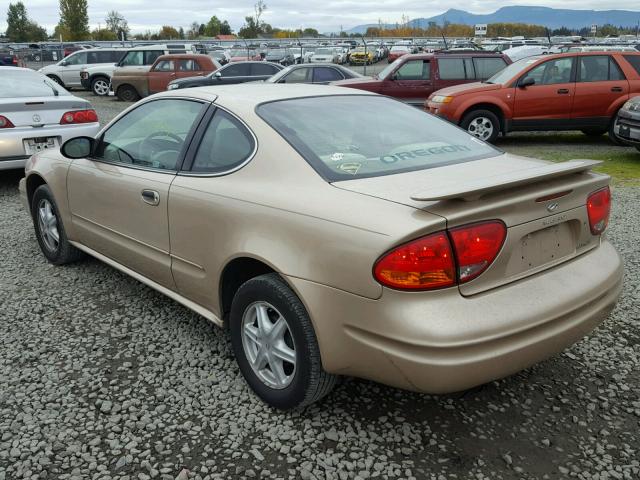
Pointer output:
x,y
476,247
442,259
598,208
423,264
79,116
14,60
5,122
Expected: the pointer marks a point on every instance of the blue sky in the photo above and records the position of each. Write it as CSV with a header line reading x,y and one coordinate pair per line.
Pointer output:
x,y
325,15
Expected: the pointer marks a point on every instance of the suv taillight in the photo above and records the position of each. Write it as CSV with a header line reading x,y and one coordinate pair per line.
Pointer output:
x,y
79,116
442,259
5,122
598,208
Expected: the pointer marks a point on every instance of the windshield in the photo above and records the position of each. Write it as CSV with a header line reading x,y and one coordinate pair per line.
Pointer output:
x,y
275,53
27,83
386,71
323,51
277,76
400,48
503,76
328,132
239,53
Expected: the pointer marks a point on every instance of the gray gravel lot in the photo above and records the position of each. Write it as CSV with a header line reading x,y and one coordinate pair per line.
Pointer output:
x,y
103,378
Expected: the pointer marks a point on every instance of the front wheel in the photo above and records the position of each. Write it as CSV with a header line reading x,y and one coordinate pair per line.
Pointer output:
x,y
50,232
482,124
100,86
127,93
275,344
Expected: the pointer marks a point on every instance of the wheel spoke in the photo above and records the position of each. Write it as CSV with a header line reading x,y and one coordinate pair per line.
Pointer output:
x,y
278,330
42,215
54,234
278,371
251,332
264,324
261,359
283,352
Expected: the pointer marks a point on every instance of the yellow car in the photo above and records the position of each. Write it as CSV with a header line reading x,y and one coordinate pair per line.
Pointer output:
x,y
362,55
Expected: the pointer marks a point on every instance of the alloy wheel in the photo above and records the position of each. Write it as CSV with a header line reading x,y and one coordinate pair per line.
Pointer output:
x,y
48,223
268,345
101,87
481,127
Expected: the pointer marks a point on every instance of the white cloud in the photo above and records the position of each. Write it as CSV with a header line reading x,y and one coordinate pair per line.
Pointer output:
x,y
325,15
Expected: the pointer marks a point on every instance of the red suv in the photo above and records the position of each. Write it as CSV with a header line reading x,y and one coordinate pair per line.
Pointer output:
x,y
571,91
412,78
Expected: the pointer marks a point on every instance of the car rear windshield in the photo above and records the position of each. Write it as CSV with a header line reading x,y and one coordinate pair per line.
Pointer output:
x,y
347,137
27,83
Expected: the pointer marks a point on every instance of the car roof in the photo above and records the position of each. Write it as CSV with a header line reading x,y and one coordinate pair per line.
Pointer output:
x,y
255,94
190,56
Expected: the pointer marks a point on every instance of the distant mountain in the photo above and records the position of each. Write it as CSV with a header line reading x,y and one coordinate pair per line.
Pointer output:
x,y
548,17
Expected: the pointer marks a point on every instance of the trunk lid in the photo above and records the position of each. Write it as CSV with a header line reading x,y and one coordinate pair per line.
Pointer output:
x,y
543,206
40,111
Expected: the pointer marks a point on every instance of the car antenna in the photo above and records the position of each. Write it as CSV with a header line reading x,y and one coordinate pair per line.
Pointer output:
x,y
446,47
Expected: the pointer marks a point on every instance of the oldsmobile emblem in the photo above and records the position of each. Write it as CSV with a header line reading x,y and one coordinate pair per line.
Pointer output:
x,y
36,118
552,207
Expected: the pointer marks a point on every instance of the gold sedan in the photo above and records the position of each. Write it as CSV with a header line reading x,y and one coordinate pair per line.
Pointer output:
x,y
407,252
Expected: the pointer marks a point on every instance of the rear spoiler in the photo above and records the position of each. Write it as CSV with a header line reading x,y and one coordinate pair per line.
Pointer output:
x,y
473,190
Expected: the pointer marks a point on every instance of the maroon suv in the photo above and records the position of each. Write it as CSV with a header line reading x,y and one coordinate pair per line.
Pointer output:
x,y
412,78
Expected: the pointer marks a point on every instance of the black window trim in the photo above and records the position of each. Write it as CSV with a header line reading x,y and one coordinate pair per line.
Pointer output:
x,y
187,141
572,78
611,60
198,137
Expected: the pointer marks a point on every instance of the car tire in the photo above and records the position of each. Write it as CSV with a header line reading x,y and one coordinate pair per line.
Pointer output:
x,y
37,58
286,384
56,79
100,86
49,229
482,124
127,93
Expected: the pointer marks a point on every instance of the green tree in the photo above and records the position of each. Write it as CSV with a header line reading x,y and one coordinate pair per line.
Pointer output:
x,y
194,31
166,33
103,34
214,27
181,33
253,25
310,32
20,28
74,19
117,24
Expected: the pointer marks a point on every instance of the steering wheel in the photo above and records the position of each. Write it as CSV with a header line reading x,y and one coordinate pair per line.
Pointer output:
x,y
158,147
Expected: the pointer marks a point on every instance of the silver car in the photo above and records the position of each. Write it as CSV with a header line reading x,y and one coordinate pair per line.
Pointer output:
x,y
38,114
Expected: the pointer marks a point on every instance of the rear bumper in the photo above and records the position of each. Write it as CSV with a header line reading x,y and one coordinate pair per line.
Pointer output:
x,y
441,342
12,139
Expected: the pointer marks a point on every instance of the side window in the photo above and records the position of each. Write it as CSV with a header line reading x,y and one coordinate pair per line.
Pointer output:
x,y
414,70
615,73
552,72
133,59
237,70
150,56
326,74
488,67
634,61
594,68
164,66
151,135
188,65
451,69
262,69
298,75
226,143
77,59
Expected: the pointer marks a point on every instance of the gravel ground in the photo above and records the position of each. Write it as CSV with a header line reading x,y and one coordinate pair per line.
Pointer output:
x,y
103,378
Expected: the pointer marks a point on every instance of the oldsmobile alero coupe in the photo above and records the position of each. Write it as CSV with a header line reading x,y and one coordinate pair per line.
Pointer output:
x,y
408,252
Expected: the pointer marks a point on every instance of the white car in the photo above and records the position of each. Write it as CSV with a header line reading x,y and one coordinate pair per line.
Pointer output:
x,y
67,71
324,55
38,114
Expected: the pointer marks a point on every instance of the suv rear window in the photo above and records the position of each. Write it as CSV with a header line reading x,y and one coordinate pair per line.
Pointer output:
x,y
488,67
451,69
346,137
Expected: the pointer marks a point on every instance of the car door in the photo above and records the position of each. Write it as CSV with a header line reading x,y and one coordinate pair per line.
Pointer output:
x,y
411,82
600,82
232,73
160,75
548,102
187,67
204,190
70,68
262,71
118,197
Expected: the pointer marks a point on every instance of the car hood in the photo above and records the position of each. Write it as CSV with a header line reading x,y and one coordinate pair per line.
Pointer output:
x,y
131,71
188,80
466,88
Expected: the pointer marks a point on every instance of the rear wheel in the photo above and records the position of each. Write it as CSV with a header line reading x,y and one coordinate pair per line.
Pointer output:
x,y
275,344
100,86
127,93
594,132
50,232
482,124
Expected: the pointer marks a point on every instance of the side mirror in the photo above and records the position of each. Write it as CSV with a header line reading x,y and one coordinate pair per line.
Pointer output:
x,y
526,82
217,75
78,147
64,63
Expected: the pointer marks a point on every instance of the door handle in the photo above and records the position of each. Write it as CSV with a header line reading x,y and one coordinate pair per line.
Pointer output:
x,y
616,89
563,91
151,197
